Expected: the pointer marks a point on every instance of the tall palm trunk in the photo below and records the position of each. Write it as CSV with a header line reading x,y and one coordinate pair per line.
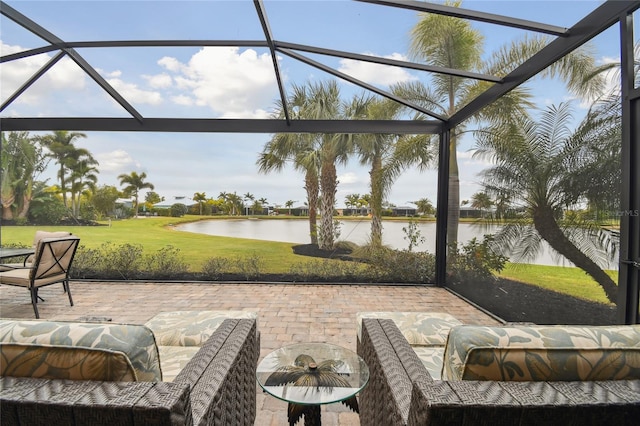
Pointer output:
x,y
7,202
377,190
63,187
453,204
26,203
548,229
313,189
328,188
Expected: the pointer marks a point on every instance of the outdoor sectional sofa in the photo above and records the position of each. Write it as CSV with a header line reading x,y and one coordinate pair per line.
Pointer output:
x,y
501,375
181,368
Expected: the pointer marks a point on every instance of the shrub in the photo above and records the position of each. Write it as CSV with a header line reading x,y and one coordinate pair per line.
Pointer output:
x,y
214,268
87,263
474,261
178,210
402,265
47,211
249,266
328,270
166,263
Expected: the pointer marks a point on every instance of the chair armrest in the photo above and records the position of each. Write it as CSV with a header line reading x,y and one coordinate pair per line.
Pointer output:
x,y
393,365
496,403
39,401
222,375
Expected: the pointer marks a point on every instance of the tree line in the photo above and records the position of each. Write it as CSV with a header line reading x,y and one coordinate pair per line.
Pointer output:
x,y
542,166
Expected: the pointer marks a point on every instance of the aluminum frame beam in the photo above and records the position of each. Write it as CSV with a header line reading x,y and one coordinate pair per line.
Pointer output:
x,y
458,12
200,125
590,26
274,58
629,267
46,35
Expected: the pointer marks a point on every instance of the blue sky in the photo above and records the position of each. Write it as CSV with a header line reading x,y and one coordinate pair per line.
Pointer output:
x,y
235,83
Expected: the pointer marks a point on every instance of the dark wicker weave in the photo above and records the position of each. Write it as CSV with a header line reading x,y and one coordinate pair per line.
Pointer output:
x,y
217,387
401,392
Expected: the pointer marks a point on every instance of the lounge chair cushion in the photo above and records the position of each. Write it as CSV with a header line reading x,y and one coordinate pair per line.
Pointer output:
x,y
419,328
135,341
529,353
64,362
174,358
431,358
190,328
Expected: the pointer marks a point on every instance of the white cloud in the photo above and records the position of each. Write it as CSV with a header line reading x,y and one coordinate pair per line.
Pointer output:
x,y
132,93
348,178
182,100
172,64
116,161
376,73
159,81
64,75
233,83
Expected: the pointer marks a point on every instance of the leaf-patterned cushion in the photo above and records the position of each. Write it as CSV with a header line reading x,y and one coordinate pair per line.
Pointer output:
x,y
190,328
419,328
431,358
64,362
174,358
135,341
571,353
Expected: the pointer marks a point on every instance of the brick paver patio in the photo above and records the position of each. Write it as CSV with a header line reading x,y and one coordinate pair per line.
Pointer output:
x,y
287,313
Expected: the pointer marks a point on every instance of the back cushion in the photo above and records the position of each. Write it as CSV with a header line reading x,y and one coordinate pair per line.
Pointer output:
x,y
135,341
41,235
64,362
542,353
190,328
419,328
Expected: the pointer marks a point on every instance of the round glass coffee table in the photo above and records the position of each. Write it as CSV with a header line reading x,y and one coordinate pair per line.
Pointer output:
x,y
308,375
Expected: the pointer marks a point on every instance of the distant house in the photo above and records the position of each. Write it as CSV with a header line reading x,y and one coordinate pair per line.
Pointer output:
x,y
125,202
177,199
404,211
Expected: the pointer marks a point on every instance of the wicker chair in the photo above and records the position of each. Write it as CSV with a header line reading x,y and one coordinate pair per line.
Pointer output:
x,y
401,392
216,387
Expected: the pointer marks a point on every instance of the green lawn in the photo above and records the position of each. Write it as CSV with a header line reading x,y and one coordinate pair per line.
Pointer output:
x,y
568,280
154,233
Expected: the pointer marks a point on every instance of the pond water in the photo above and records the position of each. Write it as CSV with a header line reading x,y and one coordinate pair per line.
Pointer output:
x,y
357,231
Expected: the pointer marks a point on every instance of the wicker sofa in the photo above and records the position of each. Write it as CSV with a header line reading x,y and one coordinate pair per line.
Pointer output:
x,y
401,391
181,368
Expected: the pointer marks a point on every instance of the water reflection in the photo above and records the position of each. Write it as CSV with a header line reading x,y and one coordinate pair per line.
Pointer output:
x,y
357,231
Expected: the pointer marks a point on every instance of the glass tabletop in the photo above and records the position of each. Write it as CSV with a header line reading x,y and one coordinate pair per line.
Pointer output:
x,y
9,252
312,373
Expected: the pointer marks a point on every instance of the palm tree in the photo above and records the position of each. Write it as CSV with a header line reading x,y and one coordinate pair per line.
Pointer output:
x,y
298,150
248,197
424,206
61,147
83,176
535,165
134,183
453,43
481,201
388,156
200,197
351,200
288,205
235,203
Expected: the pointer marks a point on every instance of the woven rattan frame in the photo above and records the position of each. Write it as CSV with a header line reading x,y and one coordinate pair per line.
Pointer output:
x,y
216,387
401,392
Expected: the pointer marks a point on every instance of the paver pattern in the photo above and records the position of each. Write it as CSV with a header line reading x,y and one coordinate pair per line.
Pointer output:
x,y
287,313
